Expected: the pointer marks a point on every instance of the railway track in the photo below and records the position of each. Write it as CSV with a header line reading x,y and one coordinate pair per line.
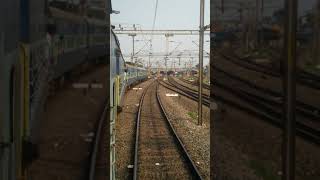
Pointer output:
x,y
98,147
268,95
304,77
186,91
267,109
205,86
159,153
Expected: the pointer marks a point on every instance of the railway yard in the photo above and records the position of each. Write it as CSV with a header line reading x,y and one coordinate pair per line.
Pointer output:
x,y
169,143
94,92
157,135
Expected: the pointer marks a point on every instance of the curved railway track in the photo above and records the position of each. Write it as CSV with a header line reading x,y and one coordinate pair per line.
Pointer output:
x,y
205,86
98,147
186,91
159,153
304,77
268,95
267,109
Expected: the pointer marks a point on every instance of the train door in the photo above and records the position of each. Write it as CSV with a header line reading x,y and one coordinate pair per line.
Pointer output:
x,y
113,104
11,120
10,94
112,127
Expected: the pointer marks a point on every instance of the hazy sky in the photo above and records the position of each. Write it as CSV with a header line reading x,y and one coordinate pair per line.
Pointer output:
x,y
171,14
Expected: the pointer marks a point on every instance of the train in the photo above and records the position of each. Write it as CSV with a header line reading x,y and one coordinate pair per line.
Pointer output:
x,y
11,96
123,75
39,44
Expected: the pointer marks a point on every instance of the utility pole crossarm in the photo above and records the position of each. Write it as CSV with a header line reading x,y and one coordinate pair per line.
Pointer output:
x,y
160,32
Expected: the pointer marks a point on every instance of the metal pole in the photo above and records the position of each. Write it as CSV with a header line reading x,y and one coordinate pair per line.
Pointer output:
x,y
149,73
167,51
132,35
132,48
316,36
289,83
201,38
256,24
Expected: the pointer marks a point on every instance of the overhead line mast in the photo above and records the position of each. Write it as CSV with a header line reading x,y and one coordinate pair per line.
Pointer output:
x,y
153,24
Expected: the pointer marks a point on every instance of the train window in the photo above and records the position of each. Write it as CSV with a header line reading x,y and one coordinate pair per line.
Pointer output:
x,y
114,95
117,61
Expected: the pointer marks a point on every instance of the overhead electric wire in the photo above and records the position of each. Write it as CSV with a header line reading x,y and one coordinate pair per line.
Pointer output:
x,y
153,25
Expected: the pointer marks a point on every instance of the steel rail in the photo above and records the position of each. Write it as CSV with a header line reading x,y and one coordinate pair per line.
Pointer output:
x,y
136,146
183,93
302,79
265,112
262,110
188,93
191,164
186,156
93,155
175,83
305,110
206,86
262,89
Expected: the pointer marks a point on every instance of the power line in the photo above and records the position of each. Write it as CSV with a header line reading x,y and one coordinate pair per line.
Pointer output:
x,y
155,15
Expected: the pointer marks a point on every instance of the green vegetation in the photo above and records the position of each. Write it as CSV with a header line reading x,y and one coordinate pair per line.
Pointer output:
x,y
262,170
193,115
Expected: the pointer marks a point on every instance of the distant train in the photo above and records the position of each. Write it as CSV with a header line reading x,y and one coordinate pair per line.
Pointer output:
x,y
38,44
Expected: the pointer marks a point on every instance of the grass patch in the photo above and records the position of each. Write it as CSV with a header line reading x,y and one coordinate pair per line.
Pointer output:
x,y
193,115
262,170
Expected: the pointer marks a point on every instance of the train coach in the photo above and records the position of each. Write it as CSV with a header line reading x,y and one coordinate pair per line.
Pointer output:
x,y
122,76
11,95
38,44
75,40
134,74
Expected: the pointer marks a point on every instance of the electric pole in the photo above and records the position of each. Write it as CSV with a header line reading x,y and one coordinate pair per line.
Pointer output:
x,y
289,84
167,35
150,53
132,35
201,44
316,38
